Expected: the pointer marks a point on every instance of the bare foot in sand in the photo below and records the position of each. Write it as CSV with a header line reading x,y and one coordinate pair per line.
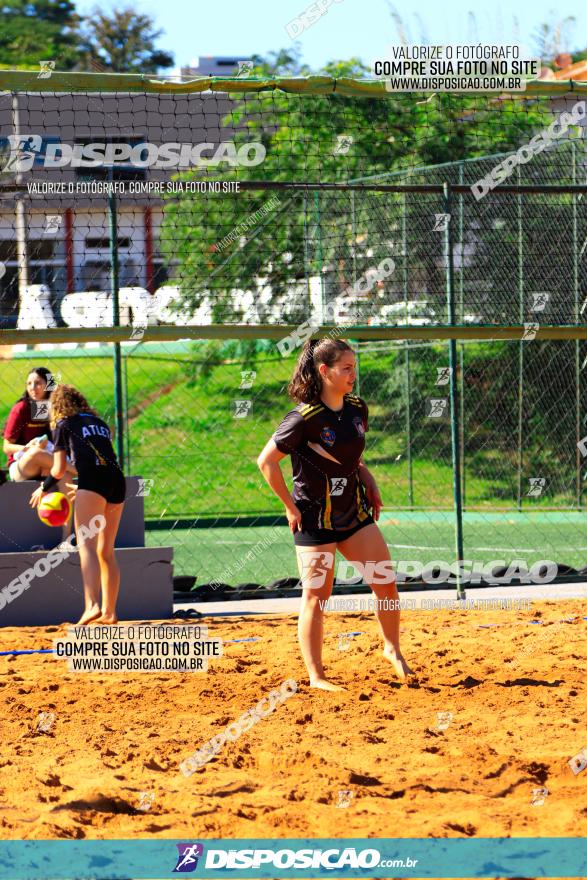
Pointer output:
x,y
89,614
325,685
107,619
396,659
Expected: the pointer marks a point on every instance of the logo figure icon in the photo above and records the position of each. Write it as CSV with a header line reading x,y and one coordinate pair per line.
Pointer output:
x,y
315,567
45,721
146,799
358,423
537,484
338,484
53,380
138,331
540,301
145,487
443,377
441,222
187,860
538,796
40,410
436,407
47,68
52,224
242,408
578,762
444,719
24,150
345,796
530,330
244,69
343,144
344,641
247,379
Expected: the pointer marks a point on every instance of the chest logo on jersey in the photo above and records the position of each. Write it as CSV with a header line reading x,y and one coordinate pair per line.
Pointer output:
x,y
328,436
358,423
338,485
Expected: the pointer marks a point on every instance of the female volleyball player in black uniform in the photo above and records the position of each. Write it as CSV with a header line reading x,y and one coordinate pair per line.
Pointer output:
x,y
101,490
333,493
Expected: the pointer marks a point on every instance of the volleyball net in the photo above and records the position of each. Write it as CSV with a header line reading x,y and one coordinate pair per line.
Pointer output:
x,y
168,246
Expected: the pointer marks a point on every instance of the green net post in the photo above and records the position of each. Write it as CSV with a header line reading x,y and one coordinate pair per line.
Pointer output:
x,y
577,341
125,410
319,247
407,371
354,235
520,226
454,395
114,287
461,321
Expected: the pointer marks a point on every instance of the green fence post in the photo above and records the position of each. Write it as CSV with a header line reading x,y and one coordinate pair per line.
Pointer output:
x,y
577,341
520,346
126,408
454,394
462,345
114,288
319,247
354,236
407,372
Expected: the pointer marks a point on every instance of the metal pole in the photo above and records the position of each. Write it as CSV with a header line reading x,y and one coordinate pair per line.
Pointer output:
x,y
462,345
307,259
114,288
21,220
520,349
319,246
454,394
126,431
354,235
579,492
407,372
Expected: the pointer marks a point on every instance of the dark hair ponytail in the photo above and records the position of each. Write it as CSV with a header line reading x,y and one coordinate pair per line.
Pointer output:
x,y
306,384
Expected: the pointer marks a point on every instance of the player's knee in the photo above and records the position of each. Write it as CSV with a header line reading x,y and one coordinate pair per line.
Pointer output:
x,y
107,556
314,599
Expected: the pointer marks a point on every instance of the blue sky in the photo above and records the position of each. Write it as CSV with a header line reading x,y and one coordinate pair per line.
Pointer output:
x,y
349,27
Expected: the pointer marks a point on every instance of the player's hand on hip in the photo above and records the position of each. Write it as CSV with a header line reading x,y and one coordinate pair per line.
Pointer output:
x,y
374,498
294,517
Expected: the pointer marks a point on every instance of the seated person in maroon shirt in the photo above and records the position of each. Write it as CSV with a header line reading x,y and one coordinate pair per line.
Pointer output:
x,y
27,436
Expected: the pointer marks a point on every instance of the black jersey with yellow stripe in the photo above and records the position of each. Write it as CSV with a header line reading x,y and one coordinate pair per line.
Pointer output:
x,y
325,448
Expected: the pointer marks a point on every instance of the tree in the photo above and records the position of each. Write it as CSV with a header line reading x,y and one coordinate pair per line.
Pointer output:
x,y
123,41
309,234
39,30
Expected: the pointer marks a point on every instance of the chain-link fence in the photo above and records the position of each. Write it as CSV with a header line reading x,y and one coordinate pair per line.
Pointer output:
x,y
198,412
366,211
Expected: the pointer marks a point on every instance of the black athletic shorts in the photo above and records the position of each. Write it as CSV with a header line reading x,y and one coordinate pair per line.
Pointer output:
x,y
312,537
109,482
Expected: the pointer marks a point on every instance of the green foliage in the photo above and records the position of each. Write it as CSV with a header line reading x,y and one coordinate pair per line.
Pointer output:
x,y
123,41
39,30
297,236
